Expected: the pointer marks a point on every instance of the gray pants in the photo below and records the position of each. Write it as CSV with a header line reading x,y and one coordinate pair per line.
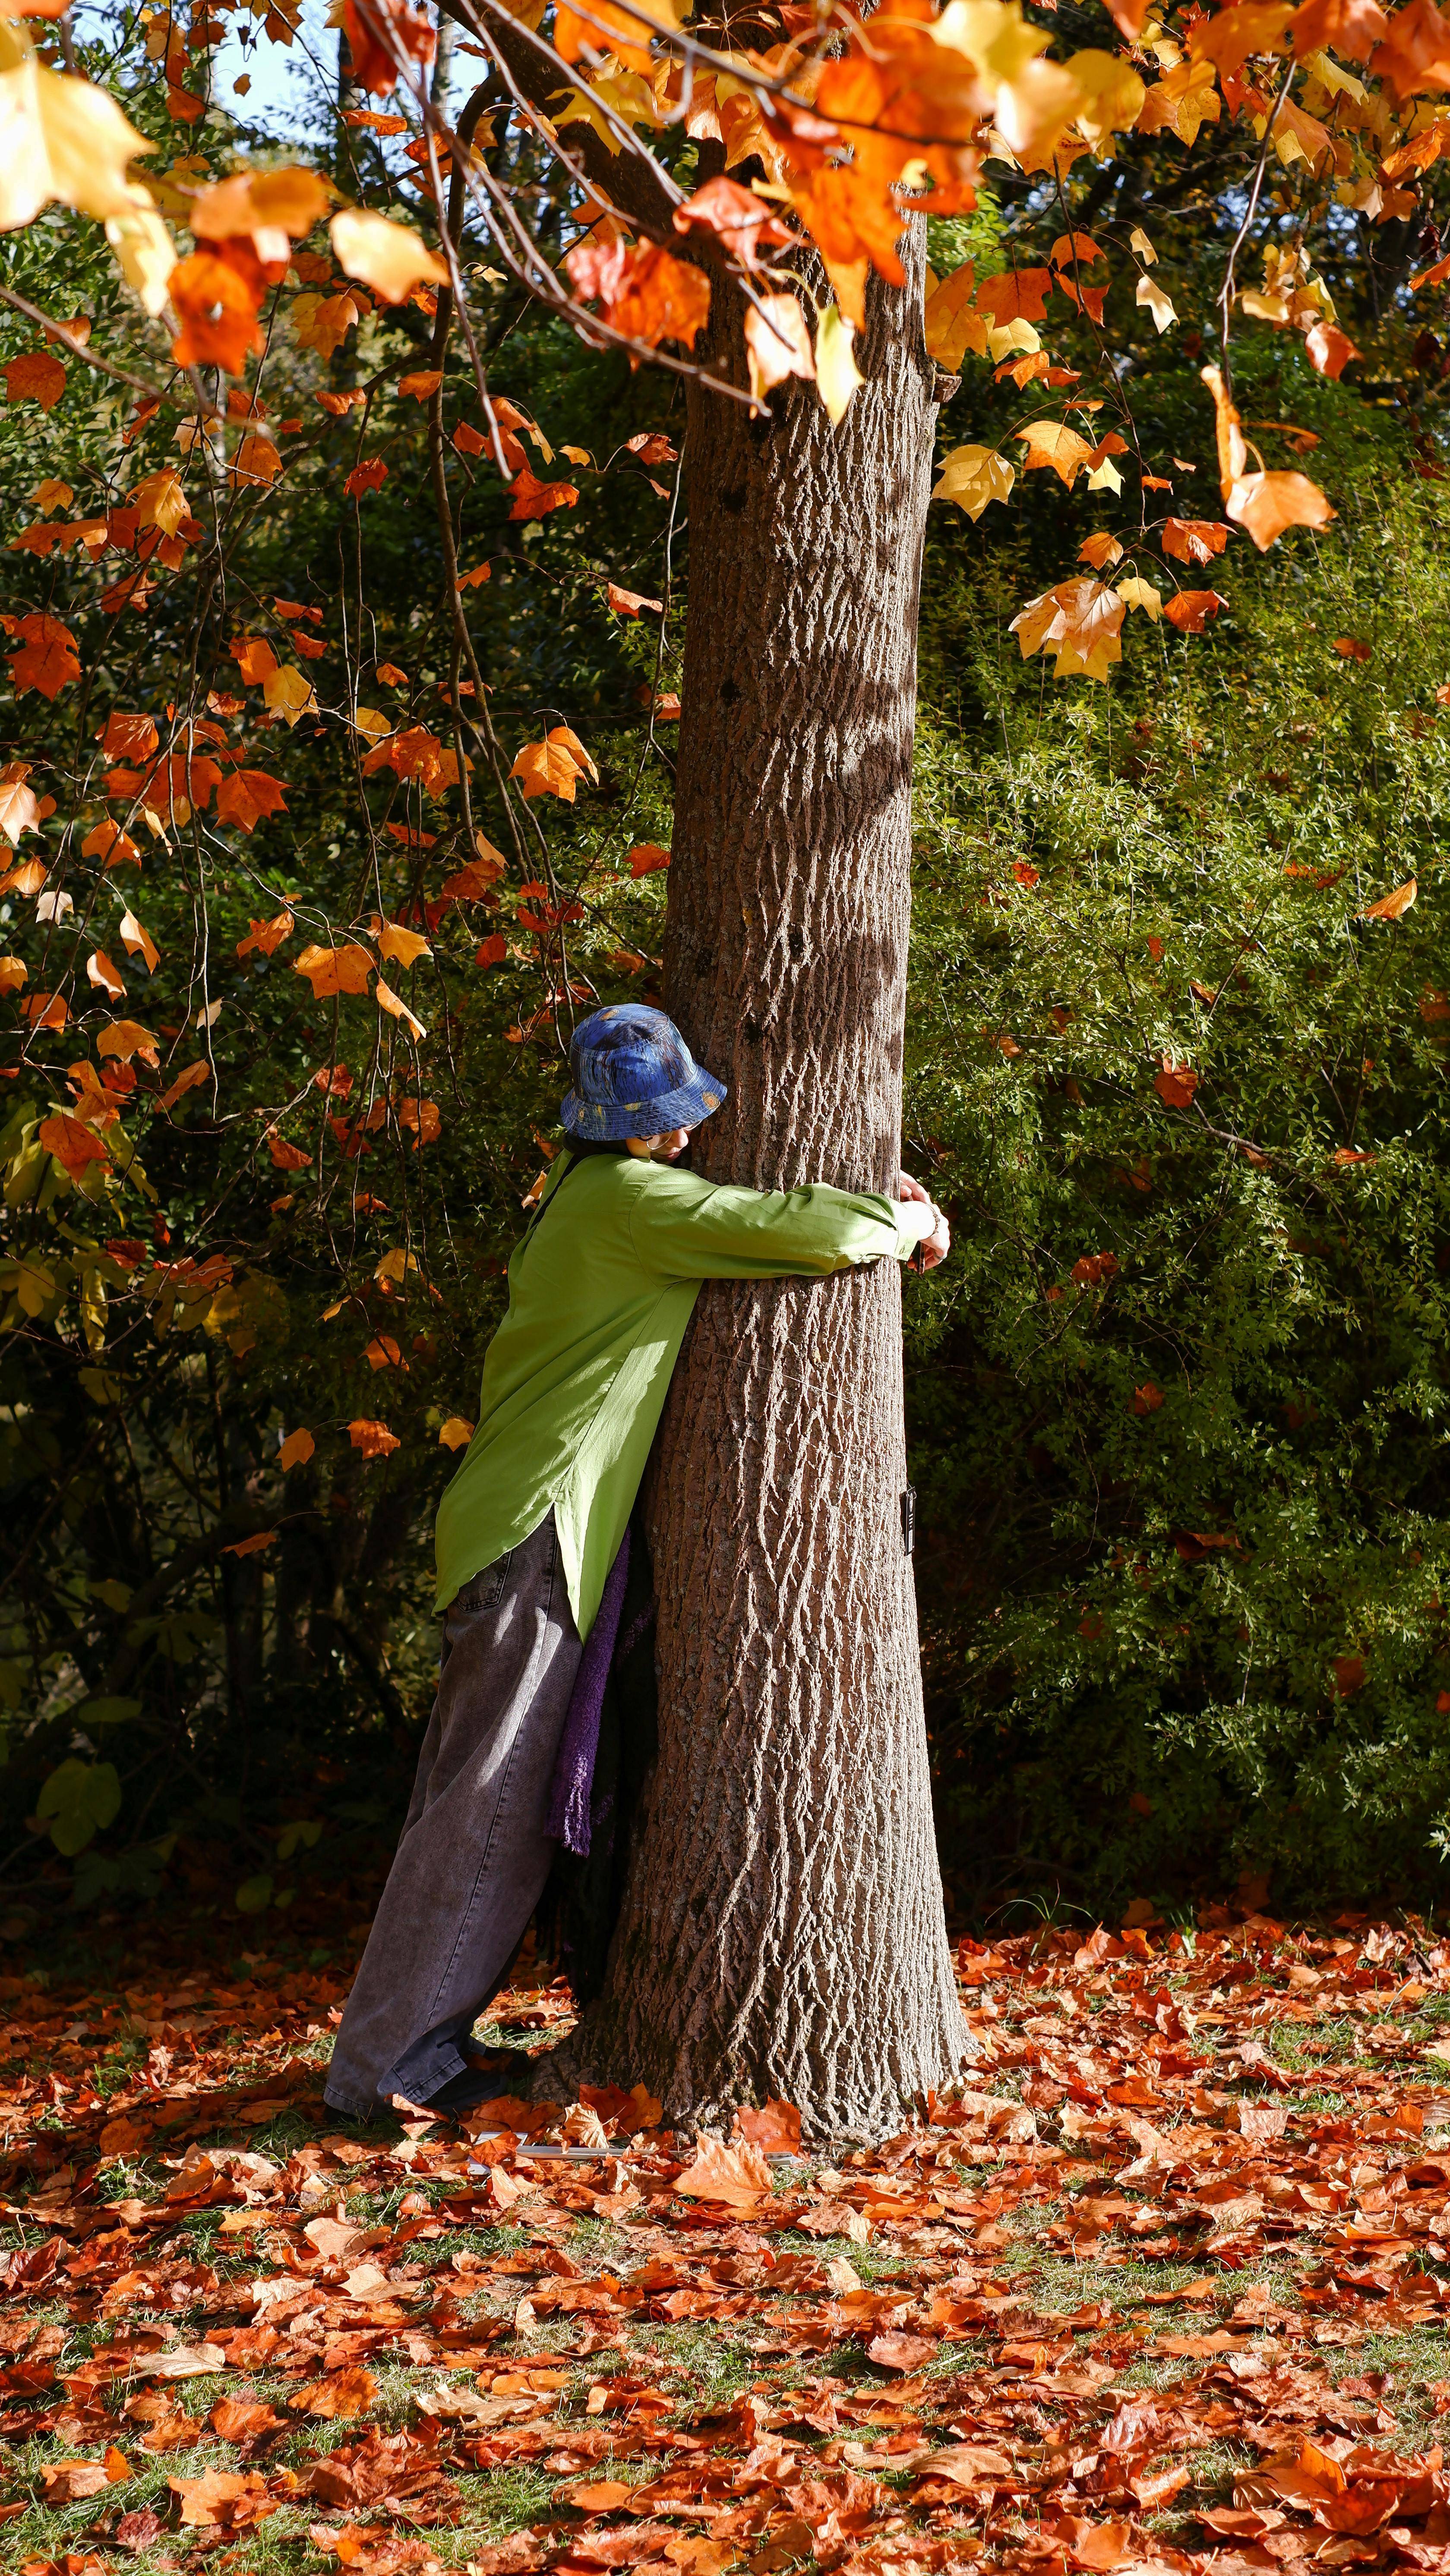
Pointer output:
x,y
474,1856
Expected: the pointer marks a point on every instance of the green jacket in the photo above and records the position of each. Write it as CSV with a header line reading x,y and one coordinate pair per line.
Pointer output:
x,y
600,1290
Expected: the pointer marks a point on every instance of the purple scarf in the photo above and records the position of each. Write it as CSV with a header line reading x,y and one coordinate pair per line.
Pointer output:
x,y
569,1820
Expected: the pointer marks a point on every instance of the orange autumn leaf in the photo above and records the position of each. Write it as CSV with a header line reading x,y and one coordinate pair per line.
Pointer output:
x,y
105,976
1018,295
474,579
1194,541
737,2175
254,658
13,973
287,1157
1267,504
646,293
248,797
393,1003
74,1145
645,858
1190,610
554,766
421,384
138,942
1175,1084
369,476
777,343
124,1039
1394,906
129,737
335,970
295,1451
36,377
252,1545
48,659
373,1439
217,306
630,603
534,500
266,936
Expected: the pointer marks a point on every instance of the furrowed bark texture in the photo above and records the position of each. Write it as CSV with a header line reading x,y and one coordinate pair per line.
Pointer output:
x,y
784,1930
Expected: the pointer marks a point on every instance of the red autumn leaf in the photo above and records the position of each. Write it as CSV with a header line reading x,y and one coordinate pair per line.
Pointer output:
x,y
286,1157
369,476
379,32
1350,650
492,951
48,659
1147,1398
72,1142
645,858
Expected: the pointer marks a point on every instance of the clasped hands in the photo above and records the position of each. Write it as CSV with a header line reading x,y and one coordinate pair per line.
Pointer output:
x,y
937,1244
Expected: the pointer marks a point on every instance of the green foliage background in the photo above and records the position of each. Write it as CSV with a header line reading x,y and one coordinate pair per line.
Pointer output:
x,y
1183,1516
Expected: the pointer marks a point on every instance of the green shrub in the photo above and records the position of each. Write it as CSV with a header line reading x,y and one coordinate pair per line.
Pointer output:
x,y
1179,1403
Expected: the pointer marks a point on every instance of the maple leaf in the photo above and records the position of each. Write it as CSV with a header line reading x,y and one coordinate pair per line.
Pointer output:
x,y
1175,1084
65,140
248,797
128,737
422,384
265,937
1392,907
1078,622
368,476
394,941
1100,551
35,377
1051,442
973,476
491,951
739,219
455,1432
373,1439
1017,295
287,1157
737,2175
125,1039
48,659
1267,504
952,326
388,257
1190,610
646,858
73,1143
295,1451
1194,541
1330,349
322,322
289,694
217,306
645,292
1414,53
1350,649
335,970
531,499
388,1000
263,204
777,342
554,766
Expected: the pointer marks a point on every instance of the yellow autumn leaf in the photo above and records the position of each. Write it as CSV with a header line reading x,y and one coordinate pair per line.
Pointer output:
x,y
1141,594
394,941
388,257
61,139
973,476
1077,622
145,252
951,326
455,1432
1051,442
837,374
288,693
1161,306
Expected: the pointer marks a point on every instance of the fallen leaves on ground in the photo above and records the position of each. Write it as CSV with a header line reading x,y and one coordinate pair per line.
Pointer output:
x,y
1163,2288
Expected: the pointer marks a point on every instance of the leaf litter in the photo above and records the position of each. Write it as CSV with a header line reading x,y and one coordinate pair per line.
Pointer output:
x,y
1161,2289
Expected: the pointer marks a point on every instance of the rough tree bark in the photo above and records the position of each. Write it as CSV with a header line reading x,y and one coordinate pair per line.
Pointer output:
x,y
784,1931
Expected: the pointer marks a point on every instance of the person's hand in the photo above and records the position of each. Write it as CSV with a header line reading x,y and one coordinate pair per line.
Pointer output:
x,y
936,1245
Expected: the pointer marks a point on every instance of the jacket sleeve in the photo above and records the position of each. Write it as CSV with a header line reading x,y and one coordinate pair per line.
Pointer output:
x,y
686,1228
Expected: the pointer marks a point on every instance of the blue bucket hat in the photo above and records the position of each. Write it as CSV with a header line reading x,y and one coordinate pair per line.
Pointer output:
x,y
634,1076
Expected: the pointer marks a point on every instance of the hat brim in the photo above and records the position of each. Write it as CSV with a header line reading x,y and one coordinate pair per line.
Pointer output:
x,y
611,1121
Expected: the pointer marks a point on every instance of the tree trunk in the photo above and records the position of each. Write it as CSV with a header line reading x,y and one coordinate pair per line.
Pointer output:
x,y
784,1931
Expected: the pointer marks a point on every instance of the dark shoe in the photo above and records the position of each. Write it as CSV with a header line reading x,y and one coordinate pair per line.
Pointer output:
x,y
463,2093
